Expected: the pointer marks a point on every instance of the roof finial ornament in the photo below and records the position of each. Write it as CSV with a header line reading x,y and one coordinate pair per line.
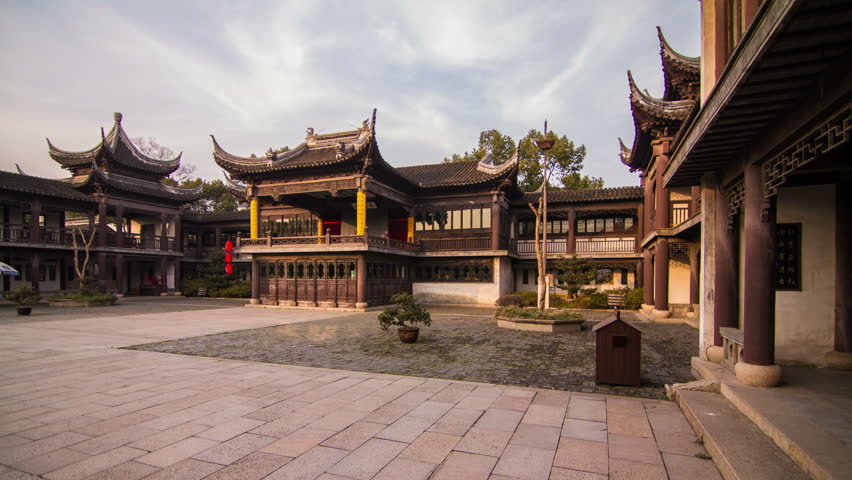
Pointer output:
x,y
117,116
270,154
373,125
20,172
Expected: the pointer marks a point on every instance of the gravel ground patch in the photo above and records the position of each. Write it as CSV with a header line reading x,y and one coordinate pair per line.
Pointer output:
x,y
461,344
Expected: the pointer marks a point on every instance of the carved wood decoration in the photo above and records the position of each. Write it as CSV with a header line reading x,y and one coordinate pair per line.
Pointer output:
x,y
306,187
823,139
736,199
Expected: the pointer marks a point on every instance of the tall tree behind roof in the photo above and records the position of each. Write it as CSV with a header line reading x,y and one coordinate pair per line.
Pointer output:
x,y
566,159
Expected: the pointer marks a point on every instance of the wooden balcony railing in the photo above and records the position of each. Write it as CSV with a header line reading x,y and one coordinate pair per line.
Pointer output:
x,y
62,237
606,246
456,243
326,240
527,247
680,213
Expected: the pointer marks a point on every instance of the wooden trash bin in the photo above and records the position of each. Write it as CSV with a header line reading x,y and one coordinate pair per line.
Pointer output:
x,y
618,350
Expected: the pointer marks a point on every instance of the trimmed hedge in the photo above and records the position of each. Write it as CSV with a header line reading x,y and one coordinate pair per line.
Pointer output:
x,y
552,314
634,299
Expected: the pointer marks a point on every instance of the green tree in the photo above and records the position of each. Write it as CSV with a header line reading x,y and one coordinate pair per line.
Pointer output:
x,y
576,181
565,159
576,272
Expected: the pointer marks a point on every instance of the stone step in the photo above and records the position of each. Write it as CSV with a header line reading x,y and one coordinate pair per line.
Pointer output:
x,y
739,448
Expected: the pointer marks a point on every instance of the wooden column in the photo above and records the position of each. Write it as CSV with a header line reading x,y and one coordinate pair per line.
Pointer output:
x,y
177,273
647,225
661,274
361,213
255,281
572,229
639,280
662,202
35,270
218,237
102,271
164,230
178,234
119,274
361,283
640,227
164,274
102,219
843,269
119,226
62,274
758,288
35,226
694,266
496,205
254,218
725,299
648,278
694,203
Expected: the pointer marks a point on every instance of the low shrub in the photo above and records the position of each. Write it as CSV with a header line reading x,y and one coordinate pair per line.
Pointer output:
x,y
585,292
237,290
511,299
530,298
559,301
593,301
97,299
405,312
529,312
24,296
189,288
633,300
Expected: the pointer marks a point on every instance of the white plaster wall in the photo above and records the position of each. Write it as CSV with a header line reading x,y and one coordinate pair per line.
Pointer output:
x,y
804,321
465,292
678,282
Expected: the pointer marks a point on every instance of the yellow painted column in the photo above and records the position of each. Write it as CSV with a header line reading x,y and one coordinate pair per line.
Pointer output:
x,y
253,215
410,237
320,232
361,209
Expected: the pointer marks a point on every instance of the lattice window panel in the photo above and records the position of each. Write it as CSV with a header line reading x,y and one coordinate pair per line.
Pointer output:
x,y
678,248
736,199
834,132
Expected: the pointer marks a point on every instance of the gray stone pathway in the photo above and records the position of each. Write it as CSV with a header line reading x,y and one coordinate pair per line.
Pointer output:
x,y
73,407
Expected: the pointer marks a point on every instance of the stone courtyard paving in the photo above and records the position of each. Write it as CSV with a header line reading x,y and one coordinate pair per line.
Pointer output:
x,y
74,407
463,343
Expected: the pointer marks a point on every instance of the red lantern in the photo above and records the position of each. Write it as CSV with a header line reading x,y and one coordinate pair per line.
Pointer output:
x,y
229,246
229,257
229,269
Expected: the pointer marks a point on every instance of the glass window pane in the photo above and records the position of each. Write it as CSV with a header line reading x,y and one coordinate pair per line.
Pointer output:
x,y
599,225
486,217
581,226
628,223
477,218
465,219
609,224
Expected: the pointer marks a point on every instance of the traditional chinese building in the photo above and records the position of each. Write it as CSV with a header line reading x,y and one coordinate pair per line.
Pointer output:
x,y
770,148
115,199
334,224
670,216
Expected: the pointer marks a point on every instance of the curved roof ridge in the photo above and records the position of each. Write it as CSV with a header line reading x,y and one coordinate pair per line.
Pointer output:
x,y
624,153
687,63
486,165
233,187
173,163
658,107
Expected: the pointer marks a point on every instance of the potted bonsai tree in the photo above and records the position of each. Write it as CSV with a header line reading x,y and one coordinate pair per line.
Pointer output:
x,y
24,296
406,314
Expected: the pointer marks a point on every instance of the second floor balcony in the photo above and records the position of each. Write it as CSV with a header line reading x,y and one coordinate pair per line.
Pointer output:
x,y
25,235
324,243
557,247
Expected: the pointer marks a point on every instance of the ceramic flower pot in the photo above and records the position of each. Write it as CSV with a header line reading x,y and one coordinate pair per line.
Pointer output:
x,y
408,334
27,310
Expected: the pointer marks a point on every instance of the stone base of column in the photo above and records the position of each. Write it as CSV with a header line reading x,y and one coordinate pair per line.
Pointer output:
x,y
254,301
763,376
361,305
838,360
661,313
647,308
715,353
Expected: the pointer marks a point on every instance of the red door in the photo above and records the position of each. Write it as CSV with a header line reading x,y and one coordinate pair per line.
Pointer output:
x,y
398,229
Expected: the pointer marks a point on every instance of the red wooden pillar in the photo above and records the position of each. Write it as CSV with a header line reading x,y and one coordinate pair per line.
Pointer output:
x,y
572,226
102,223
361,283
119,226
758,288
648,278
694,267
843,282
255,281
725,300
661,274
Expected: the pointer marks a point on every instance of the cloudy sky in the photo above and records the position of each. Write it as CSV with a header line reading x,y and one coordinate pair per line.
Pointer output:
x,y
256,74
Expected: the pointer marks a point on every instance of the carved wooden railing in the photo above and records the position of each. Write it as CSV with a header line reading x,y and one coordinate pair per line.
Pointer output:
x,y
62,237
606,246
527,247
456,243
680,213
326,240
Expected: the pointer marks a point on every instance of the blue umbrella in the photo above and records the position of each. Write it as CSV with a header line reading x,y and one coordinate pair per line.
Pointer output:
x,y
8,270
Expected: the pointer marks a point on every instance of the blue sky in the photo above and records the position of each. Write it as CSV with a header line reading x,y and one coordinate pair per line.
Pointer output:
x,y
257,74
